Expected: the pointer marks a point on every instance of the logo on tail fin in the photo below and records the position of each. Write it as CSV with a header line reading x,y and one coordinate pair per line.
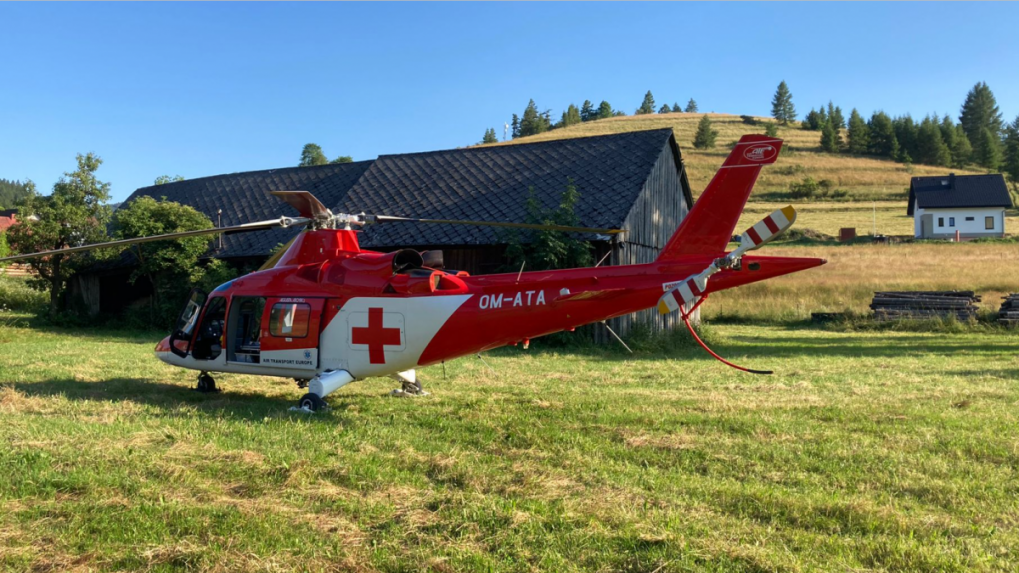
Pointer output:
x,y
763,152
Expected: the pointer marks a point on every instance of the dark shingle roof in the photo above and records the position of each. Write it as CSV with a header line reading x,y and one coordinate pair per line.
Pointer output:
x,y
952,190
491,184
244,198
482,183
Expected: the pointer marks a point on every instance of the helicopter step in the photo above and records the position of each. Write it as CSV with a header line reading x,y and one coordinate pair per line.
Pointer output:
x,y
323,385
410,384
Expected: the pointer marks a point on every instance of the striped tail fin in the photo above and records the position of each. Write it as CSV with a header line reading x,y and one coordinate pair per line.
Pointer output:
x,y
708,227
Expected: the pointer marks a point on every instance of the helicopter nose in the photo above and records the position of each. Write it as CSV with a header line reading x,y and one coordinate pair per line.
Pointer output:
x,y
163,349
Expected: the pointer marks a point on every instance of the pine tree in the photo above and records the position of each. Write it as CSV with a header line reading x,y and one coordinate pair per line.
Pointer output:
x,y
782,107
987,149
829,138
1011,160
771,130
835,117
532,122
604,110
857,133
691,106
812,121
515,126
882,136
648,105
980,112
957,142
930,146
570,117
676,108
490,136
906,135
587,112
665,108
705,136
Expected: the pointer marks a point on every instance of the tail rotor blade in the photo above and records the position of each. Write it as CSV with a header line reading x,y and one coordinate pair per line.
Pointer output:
x,y
766,229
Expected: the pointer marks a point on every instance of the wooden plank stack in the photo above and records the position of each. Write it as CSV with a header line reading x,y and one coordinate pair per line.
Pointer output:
x,y
1009,313
916,305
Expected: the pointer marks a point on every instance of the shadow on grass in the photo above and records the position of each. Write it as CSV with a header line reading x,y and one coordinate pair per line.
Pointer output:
x,y
172,399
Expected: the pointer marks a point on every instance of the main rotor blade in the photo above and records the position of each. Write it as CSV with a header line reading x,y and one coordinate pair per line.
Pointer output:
x,y
306,204
595,230
257,226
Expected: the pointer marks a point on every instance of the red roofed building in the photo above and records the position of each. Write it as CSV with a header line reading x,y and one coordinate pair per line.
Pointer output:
x,y
7,219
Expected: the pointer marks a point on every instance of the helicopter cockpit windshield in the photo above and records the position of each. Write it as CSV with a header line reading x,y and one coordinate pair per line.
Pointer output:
x,y
180,340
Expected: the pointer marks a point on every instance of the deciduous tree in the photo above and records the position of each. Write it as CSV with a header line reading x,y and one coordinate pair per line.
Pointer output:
x,y
312,155
75,214
164,179
171,267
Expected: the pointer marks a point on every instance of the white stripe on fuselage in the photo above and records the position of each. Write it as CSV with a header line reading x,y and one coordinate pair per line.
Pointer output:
x,y
417,319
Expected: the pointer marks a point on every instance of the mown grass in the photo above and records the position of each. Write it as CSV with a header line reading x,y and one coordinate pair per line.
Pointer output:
x,y
865,178
876,451
855,272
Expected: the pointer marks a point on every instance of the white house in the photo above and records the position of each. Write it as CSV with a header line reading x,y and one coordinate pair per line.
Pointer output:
x,y
973,205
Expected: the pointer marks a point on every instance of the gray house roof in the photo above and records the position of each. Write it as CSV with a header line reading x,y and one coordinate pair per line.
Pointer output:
x,y
483,183
948,191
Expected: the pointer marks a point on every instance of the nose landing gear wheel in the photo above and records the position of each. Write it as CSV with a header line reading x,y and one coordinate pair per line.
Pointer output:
x,y
206,383
312,402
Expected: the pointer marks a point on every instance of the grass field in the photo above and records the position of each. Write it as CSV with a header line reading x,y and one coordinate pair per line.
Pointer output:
x,y
880,451
854,272
864,178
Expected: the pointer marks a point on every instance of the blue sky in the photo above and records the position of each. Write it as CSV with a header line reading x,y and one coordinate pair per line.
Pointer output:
x,y
202,89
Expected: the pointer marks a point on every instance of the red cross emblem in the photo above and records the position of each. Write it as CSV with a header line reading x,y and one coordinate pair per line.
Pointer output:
x,y
376,336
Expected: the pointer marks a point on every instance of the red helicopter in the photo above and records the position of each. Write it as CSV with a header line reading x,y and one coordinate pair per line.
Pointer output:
x,y
327,313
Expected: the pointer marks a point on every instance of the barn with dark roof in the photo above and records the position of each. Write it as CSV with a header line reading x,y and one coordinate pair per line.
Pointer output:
x,y
632,181
972,205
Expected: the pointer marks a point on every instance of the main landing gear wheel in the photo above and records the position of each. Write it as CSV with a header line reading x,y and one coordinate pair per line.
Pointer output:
x,y
312,402
206,383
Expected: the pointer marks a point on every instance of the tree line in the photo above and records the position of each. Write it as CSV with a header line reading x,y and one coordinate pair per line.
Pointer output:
x,y
534,121
980,138
13,191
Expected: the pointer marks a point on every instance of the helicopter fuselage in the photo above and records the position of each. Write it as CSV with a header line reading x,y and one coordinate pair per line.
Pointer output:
x,y
378,314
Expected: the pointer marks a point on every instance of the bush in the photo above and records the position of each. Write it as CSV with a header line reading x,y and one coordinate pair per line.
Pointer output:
x,y
15,294
749,119
810,189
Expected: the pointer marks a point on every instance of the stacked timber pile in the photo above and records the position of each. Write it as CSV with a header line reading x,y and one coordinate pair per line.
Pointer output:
x,y
1009,313
925,304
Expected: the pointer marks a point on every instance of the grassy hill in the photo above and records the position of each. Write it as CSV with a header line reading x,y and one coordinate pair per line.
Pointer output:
x,y
865,178
872,184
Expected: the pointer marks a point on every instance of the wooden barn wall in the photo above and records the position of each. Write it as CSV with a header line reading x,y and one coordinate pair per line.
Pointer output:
x,y
655,216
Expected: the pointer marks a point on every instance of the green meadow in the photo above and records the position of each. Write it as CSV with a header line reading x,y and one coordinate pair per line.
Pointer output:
x,y
876,450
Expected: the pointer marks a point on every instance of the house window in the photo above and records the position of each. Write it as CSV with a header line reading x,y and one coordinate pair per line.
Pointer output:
x,y
951,221
289,319
989,223
970,219
941,221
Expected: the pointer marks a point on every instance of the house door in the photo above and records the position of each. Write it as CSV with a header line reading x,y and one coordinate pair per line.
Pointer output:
x,y
926,226
290,329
